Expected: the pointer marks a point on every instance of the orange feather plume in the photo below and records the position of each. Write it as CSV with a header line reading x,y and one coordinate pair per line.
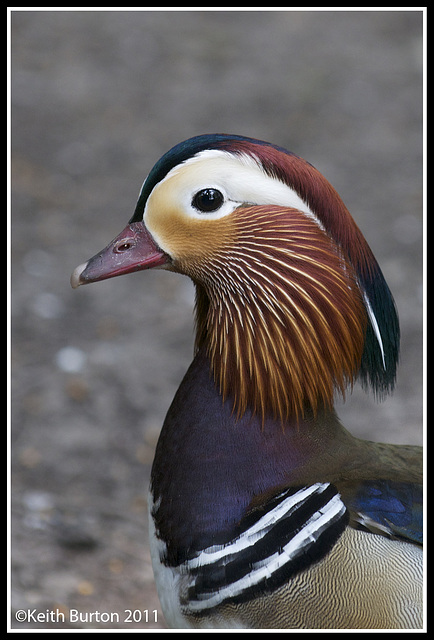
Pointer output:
x,y
279,312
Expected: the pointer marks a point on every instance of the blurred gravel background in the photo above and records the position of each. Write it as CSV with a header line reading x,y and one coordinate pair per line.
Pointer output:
x,y
97,98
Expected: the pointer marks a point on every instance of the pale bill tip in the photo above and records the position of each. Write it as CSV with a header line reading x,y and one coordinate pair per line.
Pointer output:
x,y
75,277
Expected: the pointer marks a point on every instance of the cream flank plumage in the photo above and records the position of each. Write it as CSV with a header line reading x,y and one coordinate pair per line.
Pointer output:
x,y
264,511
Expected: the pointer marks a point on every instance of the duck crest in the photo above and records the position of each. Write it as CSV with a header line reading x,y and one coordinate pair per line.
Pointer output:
x,y
281,315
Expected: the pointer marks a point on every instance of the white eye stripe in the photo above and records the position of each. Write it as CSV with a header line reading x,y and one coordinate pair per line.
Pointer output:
x,y
240,178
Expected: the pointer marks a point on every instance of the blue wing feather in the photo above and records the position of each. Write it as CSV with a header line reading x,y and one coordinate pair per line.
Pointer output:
x,y
393,508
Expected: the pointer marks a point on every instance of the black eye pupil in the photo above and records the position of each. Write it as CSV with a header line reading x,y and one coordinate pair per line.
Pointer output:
x,y
208,200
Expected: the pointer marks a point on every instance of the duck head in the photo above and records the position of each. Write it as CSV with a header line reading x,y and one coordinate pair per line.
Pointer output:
x,y
291,304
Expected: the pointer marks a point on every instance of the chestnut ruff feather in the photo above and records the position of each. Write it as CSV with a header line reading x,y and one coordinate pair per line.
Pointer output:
x,y
280,313
382,341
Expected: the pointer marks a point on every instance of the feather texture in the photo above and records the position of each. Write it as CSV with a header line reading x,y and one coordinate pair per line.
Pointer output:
x,y
264,511
280,313
380,353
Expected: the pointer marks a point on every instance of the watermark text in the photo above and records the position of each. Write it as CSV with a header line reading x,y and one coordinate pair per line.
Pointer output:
x,y
74,616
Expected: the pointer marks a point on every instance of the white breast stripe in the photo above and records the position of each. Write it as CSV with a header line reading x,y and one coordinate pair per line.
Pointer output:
x,y
257,531
264,570
246,565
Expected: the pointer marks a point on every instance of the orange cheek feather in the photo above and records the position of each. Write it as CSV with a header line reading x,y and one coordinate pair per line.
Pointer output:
x,y
278,306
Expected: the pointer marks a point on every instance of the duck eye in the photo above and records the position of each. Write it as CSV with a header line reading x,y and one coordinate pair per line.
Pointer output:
x,y
208,200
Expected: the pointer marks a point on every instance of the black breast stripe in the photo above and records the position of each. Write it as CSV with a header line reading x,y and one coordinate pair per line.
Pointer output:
x,y
295,529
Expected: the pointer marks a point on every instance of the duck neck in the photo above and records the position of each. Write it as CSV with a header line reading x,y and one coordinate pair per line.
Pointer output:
x,y
210,463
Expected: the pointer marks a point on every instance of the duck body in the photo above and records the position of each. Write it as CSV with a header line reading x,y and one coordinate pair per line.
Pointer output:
x,y
201,504
264,511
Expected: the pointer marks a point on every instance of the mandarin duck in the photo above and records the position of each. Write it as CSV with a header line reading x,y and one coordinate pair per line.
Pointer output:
x,y
265,512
